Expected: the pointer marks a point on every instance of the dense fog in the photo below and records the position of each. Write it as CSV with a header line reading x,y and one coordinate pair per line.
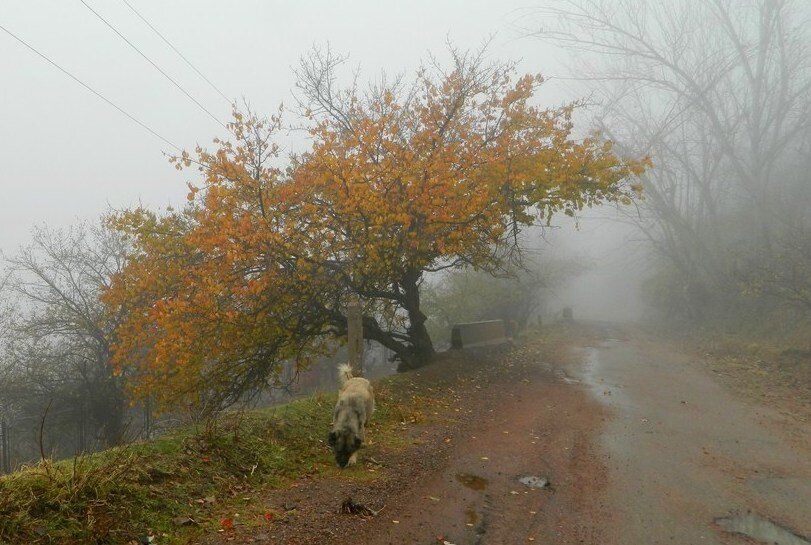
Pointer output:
x,y
700,221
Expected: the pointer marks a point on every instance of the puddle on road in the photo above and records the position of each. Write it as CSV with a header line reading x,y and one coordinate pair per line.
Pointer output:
x,y
471,517
760,529
562,375
594,373
534,482
474,482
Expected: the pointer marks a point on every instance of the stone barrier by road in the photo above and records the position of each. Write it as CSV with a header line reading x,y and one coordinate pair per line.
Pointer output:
x,y
474,334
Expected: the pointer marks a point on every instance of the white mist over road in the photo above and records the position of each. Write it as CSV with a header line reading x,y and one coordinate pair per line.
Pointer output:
x,y
616,262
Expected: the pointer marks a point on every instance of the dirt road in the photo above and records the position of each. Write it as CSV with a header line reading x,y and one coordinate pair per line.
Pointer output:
x,y
683,451
639,445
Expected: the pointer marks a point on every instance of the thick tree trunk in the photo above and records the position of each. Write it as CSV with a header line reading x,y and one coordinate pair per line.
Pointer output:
x,y
413,348
422,348
421,351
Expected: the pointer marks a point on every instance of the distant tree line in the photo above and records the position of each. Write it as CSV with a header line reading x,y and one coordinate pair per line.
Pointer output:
x,y
55,343
718,94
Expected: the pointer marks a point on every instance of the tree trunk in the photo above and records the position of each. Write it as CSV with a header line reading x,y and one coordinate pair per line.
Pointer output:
x,y
413,348
421,351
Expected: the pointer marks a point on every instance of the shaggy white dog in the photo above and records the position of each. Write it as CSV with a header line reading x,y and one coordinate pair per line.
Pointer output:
x,y
356,402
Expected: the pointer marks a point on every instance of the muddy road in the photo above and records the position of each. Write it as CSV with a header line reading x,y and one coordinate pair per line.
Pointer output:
x,y
630,444
682,451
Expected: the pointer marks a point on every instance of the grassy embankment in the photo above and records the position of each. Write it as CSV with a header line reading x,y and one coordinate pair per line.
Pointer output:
x,y
195,482
192,481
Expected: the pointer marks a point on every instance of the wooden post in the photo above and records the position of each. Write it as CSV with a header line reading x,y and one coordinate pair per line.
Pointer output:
x,y
81,432
354,320
148,417
5,450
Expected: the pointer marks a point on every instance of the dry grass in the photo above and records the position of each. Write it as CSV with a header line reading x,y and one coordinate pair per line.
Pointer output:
x,y
191,483
775,372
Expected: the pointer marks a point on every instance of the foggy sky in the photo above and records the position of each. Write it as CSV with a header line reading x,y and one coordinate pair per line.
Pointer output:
x,y
66,155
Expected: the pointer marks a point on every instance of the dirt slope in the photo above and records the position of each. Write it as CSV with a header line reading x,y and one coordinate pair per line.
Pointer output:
x,y
458,481
640,445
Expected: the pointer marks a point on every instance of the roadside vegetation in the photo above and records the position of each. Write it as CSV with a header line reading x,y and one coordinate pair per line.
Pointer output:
x,y
774,371
214,478
192,481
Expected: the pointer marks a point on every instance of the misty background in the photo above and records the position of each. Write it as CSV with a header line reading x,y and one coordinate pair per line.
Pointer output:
x,y
716,94
68,156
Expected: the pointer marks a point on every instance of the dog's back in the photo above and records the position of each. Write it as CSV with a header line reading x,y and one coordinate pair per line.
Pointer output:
x,y
356,391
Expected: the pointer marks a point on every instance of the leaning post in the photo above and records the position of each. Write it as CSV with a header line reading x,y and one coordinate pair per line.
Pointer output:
x,y
354,320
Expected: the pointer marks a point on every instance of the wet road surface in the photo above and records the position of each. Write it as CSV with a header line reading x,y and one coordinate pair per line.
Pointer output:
x,y
682,451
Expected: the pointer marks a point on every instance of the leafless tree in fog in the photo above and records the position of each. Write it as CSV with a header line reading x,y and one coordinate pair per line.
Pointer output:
x,y
718,93
56,342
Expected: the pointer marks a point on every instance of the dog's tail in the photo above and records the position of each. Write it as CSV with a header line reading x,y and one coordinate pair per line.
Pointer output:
x,y
344,373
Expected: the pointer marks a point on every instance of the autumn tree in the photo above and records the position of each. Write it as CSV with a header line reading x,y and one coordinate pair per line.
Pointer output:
x,y
402,179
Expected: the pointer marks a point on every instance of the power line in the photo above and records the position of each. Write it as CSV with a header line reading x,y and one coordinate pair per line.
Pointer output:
x,y
150,61
176,50
86,86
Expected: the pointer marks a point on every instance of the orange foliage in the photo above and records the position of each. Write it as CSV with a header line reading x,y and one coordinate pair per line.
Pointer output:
x,y
397,182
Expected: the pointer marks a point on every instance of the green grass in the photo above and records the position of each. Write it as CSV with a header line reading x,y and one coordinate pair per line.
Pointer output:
x,y
152,488
147,488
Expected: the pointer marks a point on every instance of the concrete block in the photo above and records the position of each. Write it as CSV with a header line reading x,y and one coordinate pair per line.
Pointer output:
x,y
473,334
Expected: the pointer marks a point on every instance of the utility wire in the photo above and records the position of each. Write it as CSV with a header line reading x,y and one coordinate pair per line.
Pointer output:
x,y
150,61
86,86
176,50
